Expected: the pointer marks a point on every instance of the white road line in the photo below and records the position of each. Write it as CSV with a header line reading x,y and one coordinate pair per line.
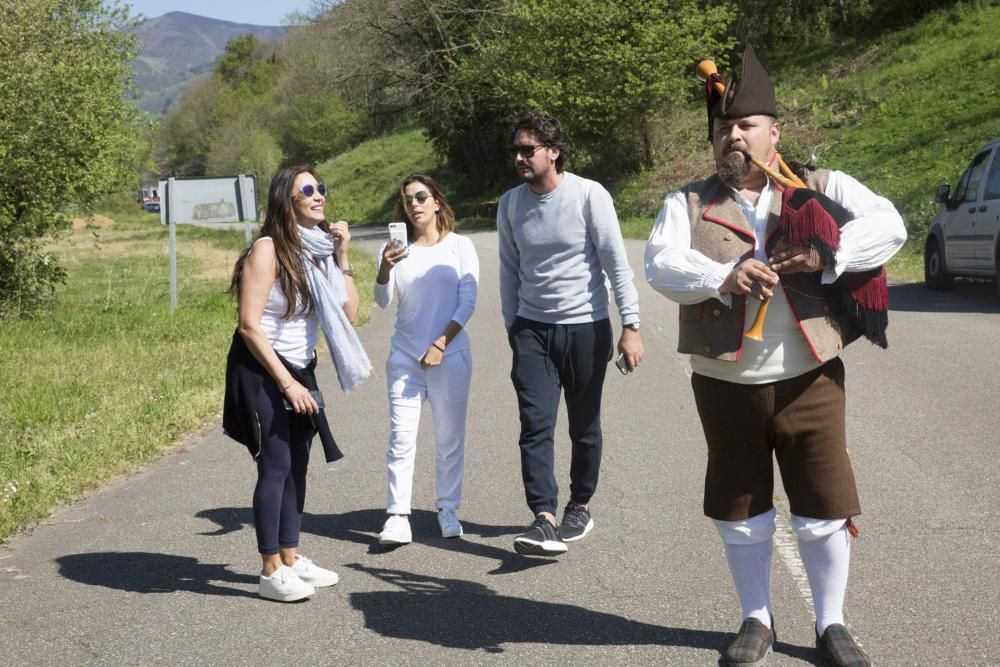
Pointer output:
x,y
788,551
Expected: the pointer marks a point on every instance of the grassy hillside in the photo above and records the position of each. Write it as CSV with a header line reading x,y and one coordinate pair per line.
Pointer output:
x,y
902,114
909,111
363,181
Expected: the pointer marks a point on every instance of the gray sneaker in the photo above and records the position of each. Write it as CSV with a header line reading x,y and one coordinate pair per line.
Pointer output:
x,y
576,523
541,539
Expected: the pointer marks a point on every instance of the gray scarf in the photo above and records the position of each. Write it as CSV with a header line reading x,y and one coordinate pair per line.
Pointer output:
x,y
329,293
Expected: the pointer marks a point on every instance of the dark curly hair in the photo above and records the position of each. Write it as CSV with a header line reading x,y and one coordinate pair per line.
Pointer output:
x,y
547,130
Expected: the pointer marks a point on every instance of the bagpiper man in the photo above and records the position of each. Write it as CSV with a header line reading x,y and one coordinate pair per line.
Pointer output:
x,y
816,255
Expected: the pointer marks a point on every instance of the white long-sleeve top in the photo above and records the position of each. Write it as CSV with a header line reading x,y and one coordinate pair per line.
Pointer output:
x,y
435,285
682,274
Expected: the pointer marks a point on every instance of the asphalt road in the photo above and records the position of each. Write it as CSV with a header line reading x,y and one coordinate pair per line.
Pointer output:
x,y
161,568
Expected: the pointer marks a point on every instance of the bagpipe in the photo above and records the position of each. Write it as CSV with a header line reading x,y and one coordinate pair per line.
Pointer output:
x,y
811,219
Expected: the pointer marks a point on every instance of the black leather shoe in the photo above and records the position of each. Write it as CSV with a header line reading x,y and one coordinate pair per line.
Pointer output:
x,y
837,647
751,646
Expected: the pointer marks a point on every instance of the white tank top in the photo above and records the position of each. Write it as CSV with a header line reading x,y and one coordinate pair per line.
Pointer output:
x,y
294,338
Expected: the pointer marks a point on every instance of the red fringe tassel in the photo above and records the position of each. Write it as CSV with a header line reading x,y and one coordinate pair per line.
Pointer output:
x,y
852,529
870,292
809,223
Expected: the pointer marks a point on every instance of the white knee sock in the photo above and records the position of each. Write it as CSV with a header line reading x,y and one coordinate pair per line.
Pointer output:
x,y
750,565
827,560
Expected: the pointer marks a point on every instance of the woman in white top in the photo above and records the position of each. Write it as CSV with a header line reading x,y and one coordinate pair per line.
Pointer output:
x,y
295,279
435,279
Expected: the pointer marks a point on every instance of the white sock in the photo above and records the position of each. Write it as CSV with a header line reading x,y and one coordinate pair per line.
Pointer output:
x,y
827,561
750,565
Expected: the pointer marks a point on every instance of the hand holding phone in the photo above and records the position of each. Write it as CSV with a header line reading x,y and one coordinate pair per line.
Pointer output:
x,y
622,364
317,396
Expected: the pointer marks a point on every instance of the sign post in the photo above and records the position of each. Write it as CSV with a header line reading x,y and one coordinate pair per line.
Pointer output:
x,y
172,234
205,201
246,194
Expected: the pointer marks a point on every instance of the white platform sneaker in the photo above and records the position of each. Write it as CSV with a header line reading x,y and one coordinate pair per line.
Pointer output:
x,y
396,530
313,574
284,585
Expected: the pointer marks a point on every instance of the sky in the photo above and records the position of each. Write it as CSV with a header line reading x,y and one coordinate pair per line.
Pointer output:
x,y
257,12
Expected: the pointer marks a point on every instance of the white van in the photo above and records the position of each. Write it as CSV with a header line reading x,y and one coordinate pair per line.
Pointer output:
x,y
964,236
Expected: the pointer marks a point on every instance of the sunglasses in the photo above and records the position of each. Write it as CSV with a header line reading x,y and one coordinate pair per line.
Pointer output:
x,y
421,197
525,151
309,189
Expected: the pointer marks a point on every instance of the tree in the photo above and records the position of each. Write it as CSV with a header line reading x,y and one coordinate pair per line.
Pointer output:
x,y
183,136
67,130
398,59
464,67
605,69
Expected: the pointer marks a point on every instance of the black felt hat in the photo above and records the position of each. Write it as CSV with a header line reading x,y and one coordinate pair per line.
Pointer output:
x,y
749,94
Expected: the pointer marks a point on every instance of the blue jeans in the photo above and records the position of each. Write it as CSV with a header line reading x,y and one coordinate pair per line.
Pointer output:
x,y
549,359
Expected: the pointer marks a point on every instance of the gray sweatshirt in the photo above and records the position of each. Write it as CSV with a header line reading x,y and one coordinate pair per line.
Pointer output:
x,y
559,254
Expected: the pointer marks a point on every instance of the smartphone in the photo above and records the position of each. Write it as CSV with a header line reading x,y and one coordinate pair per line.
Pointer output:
x,y
315,393
397,234
622,365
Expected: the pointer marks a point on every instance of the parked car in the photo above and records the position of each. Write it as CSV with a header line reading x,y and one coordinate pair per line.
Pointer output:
x,y
964,238
152,207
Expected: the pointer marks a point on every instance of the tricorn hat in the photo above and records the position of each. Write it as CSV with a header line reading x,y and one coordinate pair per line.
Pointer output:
x,y
749,94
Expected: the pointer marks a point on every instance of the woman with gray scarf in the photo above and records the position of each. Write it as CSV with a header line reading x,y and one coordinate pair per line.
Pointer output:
x,y
294,280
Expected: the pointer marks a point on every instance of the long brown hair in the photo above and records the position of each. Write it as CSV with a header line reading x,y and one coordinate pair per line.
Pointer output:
x,y
282,226
445,214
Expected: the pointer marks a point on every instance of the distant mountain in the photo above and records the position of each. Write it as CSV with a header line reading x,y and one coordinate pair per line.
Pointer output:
x,y
178,48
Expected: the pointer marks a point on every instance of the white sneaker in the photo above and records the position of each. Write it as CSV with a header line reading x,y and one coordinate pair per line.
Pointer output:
x,y
450,525
396,530
284,586
313,574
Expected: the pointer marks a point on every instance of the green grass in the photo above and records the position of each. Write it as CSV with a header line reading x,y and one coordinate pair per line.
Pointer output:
x,y
110,377
364,181
908,112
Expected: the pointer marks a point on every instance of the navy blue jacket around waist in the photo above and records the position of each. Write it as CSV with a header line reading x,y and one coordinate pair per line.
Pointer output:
x,y
245,377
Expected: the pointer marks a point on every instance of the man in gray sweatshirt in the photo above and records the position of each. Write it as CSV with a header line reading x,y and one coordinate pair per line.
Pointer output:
x,y
561,252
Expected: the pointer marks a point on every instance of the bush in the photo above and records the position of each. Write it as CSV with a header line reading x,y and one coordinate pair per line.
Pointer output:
x,y
67,131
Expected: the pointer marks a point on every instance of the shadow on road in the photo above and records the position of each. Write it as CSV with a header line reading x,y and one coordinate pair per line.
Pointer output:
x,y
229,519
363,526
967,296
454,613
141,572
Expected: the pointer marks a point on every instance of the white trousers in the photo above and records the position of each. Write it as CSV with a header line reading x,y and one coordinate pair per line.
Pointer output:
x,y
446,388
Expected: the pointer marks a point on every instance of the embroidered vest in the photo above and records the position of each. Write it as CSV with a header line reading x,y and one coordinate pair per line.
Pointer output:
x,y
721,232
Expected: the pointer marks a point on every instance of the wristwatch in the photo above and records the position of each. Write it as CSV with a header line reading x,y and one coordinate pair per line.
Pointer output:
x,y
634,326
349,271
